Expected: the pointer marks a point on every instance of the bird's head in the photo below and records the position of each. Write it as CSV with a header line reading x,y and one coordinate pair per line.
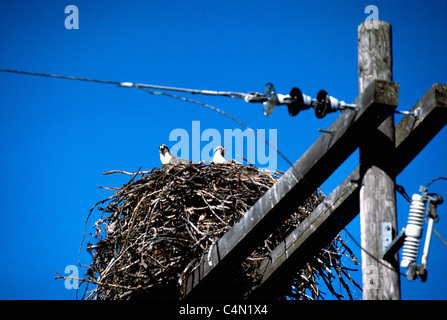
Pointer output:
x,y
163,149
219,150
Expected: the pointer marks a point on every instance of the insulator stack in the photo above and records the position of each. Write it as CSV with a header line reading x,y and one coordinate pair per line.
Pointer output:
x,y
413,231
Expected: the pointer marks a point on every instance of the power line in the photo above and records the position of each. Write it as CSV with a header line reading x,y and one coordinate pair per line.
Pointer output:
x,y
435,179
230,94
59,76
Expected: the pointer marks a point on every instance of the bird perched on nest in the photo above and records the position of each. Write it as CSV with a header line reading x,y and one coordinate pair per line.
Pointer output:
x,y
167,158
219,156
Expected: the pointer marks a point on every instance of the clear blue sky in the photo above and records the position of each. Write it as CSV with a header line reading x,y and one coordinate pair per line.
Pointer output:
x,y
58,136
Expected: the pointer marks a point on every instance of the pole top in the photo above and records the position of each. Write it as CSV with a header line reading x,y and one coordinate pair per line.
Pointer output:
x,y
375,58
373,25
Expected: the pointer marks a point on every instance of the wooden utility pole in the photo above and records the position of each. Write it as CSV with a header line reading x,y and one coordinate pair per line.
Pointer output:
x,y
377,194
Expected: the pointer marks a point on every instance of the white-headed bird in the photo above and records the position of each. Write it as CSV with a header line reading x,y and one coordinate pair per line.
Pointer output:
x,y
219,156
167,158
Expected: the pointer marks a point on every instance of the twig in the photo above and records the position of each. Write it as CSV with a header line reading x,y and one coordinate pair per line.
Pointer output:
x,y
113,285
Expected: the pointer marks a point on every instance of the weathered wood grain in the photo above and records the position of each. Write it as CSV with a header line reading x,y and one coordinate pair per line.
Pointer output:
x,y
414,133
377,194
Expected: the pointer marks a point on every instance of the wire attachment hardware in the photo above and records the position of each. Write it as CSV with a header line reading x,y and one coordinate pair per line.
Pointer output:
x,y
272,99
327,104
297,101
414,113
126,84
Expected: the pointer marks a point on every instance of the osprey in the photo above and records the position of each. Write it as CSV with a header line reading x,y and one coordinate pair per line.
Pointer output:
x,y
167,158
219,156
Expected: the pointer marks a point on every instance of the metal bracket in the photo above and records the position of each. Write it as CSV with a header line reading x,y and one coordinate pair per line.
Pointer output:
x,y
387,235
415,271
414,113
391,244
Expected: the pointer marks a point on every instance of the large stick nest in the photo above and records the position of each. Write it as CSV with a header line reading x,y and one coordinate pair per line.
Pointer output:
x,y
155,229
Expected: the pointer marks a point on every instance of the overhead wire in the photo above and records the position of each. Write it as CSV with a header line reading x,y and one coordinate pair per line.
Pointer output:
x,y
59,76
229,94
435,179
